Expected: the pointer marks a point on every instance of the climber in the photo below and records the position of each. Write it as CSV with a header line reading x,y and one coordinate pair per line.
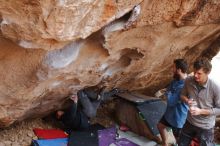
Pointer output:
x,y
83,107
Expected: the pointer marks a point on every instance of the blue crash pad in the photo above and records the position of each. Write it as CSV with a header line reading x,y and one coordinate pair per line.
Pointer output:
x,y
50,142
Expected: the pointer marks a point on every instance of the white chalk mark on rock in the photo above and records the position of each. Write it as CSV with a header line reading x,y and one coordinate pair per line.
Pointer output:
x,y
63,57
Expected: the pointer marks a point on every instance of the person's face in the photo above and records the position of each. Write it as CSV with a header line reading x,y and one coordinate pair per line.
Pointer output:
x,y
200,76
174,69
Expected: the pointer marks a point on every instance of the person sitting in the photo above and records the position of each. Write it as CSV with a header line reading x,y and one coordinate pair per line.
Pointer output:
x,y
83,107
176,112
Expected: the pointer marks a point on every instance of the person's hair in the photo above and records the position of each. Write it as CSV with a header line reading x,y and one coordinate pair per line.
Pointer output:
x,y
203,63
181,64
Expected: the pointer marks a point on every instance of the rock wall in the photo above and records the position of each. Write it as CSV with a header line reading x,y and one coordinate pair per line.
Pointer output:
x,y
53,48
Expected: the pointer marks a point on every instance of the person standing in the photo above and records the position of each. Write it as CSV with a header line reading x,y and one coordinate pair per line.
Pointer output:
x,y
176,112
202,95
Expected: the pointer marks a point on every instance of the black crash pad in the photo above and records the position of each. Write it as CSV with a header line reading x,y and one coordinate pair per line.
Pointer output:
x,y
88,137
152,111
135,97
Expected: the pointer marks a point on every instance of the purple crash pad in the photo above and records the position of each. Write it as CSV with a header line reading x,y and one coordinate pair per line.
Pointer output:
x,y
123,142
107,137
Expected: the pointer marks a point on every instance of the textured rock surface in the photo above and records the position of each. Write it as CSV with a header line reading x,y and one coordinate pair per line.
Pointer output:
x,y
61,46
51,24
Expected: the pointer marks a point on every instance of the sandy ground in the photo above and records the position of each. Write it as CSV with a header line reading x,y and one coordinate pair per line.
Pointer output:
x,y
21,134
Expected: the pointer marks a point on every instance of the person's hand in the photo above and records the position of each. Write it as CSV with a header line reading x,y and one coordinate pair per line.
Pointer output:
x,y
74,98
115,90
160,93
163,91
191,102
195,111
59,114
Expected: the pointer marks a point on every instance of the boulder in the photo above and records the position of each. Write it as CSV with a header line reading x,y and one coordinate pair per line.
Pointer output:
x,y
51,49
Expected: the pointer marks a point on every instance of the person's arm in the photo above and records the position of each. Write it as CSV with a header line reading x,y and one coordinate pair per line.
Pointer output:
x,y
198,111
216,109
184,94
184,99
195,110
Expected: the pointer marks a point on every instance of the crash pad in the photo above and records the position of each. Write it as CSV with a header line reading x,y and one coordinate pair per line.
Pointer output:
x,y
123,142
50,142
87,137
110,137
136,97
107,136
132,98
151,112
49,133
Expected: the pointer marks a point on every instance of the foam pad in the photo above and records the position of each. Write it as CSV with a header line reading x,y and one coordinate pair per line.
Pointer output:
x,y
123,142
88,137
135,97
50,142
107,136
49,133
152,111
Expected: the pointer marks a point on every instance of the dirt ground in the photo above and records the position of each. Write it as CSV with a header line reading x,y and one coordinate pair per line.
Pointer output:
x,y
21,134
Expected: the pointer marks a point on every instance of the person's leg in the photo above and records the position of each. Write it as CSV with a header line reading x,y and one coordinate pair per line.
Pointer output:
x,y
184,139
69,111
176,133
187,133
162,127
89,108
91,92
163,133
206,137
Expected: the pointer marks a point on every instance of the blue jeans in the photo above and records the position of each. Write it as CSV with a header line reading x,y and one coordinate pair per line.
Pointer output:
x,y
189,131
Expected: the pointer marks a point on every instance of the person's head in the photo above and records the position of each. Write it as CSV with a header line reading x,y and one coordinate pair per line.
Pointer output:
x,y
202,68
180,67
